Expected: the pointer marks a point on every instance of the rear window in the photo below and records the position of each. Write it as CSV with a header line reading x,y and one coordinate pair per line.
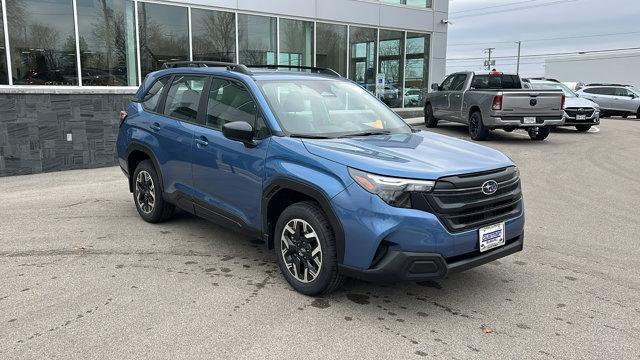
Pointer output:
x,y
496,82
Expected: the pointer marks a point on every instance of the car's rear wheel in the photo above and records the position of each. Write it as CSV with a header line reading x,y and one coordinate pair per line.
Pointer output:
x,y
583,128
477,130
147,194
539,133
429,120
624,116
638,114
306,250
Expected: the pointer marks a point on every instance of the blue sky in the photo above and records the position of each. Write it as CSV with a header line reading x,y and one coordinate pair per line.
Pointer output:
x,y
479,24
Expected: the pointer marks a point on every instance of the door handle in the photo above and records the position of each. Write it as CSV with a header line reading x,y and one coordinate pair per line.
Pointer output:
x,y
202,141
155,126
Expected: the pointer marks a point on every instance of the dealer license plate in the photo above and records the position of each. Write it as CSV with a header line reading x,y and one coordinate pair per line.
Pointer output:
x,y
491,237
529,119
581,117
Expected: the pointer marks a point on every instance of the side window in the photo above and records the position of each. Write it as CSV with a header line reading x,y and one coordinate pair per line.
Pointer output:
x,y
607,91
622,92
230,101
446,84
183,97
151,98
458,82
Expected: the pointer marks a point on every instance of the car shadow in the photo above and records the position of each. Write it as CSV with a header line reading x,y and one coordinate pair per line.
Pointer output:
x,y
460,131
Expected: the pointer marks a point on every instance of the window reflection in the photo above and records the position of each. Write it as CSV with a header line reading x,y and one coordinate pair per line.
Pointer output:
x,y
214,35
362,67
331,47
257,39
391,66
106,30
416,68
43,44
296,42
164,35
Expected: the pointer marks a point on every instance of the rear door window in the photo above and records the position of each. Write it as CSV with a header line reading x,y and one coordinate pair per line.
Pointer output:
x,y
152,97
183,97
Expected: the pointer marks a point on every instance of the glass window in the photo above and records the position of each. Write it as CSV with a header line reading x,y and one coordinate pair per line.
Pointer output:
x,y
214,35
164,35
43,43
458,82
106,30
329,108
150,100
362,66
183,97
331,47
230,101
296,42
391,65
447,83
417,64
4,78
257,39
419,3
496,82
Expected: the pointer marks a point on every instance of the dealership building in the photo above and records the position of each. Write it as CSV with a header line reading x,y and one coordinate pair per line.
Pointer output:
x,y
67,67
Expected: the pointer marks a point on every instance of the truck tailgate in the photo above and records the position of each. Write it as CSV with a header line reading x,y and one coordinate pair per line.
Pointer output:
x,y
531,103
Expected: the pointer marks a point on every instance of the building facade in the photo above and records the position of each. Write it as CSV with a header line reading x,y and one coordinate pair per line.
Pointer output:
x,y
67,67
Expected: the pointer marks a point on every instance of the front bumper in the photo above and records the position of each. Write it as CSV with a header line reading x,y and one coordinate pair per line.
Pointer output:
x,y
415,266
571,121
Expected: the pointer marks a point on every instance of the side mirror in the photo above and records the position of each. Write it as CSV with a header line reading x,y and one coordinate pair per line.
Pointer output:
x,y
435,87
239,131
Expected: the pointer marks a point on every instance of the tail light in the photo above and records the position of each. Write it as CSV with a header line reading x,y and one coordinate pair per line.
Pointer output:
x,y
564,100
497,103
123,117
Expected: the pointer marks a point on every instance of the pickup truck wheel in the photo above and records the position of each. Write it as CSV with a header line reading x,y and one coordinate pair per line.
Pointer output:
x,y
583,128
306,250
539,133
429,120
477,130
147,194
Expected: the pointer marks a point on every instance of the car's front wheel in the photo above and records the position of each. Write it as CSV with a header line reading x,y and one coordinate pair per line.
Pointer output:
x,y
539,133
305,247
147,194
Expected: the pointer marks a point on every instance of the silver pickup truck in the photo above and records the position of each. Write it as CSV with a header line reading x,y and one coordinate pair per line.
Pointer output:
x,y
493,100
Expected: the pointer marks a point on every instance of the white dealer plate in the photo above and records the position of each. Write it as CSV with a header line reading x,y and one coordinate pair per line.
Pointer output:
x,y
581,117
491,237
529,119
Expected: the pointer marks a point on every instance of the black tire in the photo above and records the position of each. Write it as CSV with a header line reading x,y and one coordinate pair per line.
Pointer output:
x,y
327,278
477,130
429,120
143,190
583,128
624,116
539,133
638,114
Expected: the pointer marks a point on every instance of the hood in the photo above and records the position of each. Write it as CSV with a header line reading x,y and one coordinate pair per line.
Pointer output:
x,y
421,155
580,102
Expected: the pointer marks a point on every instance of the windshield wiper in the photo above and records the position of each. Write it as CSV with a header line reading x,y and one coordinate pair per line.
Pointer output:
x,y
310,136
368,133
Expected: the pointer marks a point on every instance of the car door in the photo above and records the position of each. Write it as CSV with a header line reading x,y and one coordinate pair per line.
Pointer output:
x,y
440,100
228,174
455,97
625,100
598,95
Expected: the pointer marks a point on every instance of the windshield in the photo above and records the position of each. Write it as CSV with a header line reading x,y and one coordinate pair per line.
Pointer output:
x,y
553,86
329,108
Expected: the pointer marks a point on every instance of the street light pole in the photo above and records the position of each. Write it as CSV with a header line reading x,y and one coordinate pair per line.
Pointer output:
x,y
518,63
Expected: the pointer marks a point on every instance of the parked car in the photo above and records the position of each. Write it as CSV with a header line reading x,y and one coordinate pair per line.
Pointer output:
x,y
412,97
493,100
321,170
578,112
574,85
614,99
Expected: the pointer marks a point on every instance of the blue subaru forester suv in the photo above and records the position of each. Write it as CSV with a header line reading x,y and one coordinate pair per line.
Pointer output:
x,y
321,170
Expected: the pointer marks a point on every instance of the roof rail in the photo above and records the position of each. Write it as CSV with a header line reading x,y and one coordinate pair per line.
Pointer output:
x,y
544,78
605,84
229,66
313,69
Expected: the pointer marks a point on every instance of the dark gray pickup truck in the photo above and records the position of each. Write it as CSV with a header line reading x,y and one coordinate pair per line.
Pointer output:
x,y
493,100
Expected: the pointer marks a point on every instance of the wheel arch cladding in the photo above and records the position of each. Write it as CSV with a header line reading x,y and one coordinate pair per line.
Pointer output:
x,y
137,153
283,192
473,109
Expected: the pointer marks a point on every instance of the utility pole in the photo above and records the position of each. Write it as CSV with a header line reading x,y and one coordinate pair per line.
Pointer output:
x,y
489,51
518,63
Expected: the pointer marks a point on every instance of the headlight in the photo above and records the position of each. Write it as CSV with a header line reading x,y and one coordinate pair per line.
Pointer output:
x,y
394,191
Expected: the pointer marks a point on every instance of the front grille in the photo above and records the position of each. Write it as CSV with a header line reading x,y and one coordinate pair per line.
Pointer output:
x,y
460,204
572,112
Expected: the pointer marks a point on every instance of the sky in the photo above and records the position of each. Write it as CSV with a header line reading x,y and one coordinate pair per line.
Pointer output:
x,y
573,24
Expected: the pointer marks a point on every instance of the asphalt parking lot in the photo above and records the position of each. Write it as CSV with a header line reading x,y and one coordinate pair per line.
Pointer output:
x,y
82,276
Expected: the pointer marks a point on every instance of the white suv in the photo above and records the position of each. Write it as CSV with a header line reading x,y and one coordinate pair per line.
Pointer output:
x,y
614,100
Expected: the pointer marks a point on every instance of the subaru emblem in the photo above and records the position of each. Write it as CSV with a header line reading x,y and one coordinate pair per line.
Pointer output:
x,y
489,187
533,102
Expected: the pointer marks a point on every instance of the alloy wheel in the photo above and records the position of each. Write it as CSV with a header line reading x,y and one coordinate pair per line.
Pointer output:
x,y
301,250
145,192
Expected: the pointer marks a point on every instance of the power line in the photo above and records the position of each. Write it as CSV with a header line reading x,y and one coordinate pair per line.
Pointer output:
x,y
514,9
552,54
549,39
545,61
494,6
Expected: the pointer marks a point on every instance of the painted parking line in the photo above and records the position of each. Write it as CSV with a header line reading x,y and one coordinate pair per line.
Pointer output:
x,y
594,130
